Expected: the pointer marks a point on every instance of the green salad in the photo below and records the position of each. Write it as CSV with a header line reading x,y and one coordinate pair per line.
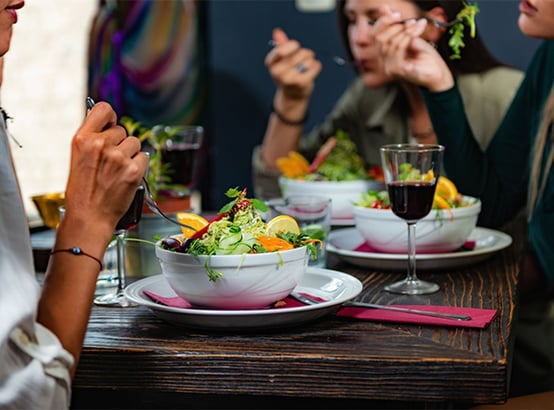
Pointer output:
x,y
342,164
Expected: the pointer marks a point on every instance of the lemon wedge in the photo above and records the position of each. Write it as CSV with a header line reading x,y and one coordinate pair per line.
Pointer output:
x,y
282,224
194,220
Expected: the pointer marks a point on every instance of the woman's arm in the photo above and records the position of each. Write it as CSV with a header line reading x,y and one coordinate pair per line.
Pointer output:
x,y
294,70
106,169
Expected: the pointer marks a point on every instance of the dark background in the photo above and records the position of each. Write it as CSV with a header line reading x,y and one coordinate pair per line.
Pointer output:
x,y
241,90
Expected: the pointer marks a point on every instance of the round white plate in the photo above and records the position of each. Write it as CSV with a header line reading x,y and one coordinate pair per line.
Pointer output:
x,y
333,286
342,242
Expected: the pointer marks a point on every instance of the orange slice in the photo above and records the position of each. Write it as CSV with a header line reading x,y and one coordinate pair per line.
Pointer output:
x,y
446,188
428,176
282,224
194,220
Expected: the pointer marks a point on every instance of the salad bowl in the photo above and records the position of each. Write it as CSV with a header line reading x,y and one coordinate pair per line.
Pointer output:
x,y
441,231
342,193
246,281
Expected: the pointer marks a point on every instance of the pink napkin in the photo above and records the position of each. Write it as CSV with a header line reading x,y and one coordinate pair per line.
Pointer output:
x,y
480,318
366,247
179,302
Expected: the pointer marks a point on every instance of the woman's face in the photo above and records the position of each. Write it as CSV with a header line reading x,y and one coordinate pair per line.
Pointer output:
x,y
536,18
360,13
8,17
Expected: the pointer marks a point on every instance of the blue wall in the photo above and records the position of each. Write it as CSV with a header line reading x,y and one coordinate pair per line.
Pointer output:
x,y
241,90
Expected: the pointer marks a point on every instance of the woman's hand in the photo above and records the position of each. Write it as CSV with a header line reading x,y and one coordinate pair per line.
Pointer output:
x,y
292,67
406,55
106,169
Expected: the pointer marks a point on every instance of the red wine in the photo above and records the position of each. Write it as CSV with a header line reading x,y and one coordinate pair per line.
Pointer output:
x,y
182,158
411,200
133,214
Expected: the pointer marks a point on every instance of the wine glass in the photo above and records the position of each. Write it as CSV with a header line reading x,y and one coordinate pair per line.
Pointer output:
x,y
127,221
411,174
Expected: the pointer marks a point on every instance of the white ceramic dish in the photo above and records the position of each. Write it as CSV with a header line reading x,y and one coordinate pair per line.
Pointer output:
x,y
343,194
333,286
438,232
248,281
342,243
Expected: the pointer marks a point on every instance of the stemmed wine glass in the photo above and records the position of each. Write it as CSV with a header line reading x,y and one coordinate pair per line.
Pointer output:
x,y
127,221
411,174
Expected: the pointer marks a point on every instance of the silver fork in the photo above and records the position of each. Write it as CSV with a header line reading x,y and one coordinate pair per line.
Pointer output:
x,y
153,205
429,19
310,301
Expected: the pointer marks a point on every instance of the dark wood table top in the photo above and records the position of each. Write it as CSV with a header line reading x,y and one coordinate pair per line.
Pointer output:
x,y
131,358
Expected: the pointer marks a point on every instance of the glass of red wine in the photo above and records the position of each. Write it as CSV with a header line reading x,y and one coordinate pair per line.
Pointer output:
x,y
127,222
411,173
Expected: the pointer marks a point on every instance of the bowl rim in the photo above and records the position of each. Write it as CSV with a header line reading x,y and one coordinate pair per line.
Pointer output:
x,y
287,180
475,208
224,260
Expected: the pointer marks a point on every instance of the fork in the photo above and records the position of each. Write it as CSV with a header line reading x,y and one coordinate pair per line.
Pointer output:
x,y
153,205
311,301
338,60
429,19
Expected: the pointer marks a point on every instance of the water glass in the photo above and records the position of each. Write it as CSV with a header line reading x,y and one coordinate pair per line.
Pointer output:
x,y
313,215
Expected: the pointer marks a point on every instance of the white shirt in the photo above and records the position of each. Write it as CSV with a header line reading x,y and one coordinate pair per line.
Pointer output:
x,y
34,367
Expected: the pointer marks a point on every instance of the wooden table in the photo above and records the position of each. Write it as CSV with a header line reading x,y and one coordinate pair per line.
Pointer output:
x,y
133,359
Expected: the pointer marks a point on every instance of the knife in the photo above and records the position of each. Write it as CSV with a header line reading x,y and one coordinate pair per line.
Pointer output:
x,y
310,301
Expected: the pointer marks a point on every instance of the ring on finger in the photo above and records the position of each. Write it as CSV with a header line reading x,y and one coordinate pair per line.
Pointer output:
x,y
301,68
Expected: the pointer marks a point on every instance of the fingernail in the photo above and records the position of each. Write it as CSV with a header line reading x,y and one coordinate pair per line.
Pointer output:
x,y
395,14
421,23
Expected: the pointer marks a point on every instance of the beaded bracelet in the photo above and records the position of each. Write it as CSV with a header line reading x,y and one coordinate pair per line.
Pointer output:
x,y
285,120
78,251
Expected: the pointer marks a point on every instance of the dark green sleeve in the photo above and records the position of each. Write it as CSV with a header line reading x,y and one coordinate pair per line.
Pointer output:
x,y
499,176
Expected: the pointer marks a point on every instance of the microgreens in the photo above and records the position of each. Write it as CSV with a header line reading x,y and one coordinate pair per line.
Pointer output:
x,y
465,16
239,195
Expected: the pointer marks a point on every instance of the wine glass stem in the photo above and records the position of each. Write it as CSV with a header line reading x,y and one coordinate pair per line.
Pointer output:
x,y
120,240
411,253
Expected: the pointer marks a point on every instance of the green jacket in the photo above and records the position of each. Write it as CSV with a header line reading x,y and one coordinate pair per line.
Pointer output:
x,y
379,116
500,175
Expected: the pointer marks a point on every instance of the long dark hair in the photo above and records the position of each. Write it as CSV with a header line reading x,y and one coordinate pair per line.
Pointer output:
x,y
476,57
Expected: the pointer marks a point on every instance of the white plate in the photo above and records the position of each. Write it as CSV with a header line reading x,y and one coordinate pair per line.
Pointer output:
x,y
342,242
333,286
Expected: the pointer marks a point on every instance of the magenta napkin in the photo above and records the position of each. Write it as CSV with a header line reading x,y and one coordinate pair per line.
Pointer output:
x,y
179,302
366,247
480,318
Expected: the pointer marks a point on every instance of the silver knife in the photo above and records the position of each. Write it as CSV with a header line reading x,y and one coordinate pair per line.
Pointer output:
x,y
310,301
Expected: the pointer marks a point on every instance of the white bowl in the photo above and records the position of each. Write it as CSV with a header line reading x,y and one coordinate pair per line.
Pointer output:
x,y
440,231
249,281
342,193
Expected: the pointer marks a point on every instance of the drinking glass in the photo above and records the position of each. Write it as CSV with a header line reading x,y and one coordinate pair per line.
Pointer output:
x,y
180,150
411,174
128,221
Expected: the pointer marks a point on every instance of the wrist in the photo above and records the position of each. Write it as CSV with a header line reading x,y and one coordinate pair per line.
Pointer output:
x,y
291,121
90,237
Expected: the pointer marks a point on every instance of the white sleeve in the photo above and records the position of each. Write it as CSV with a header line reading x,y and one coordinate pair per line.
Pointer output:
x,y
34,371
